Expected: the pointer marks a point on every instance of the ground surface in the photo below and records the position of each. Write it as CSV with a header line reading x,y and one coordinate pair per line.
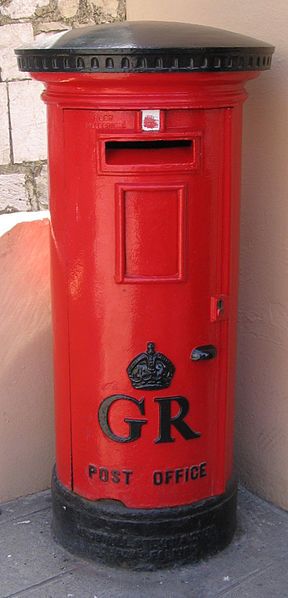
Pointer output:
x,y
32,565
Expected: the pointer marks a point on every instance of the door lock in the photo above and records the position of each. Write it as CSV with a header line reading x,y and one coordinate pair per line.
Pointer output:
x,y
203,353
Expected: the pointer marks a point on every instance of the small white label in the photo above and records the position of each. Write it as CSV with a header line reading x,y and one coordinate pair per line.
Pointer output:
x,y
150,120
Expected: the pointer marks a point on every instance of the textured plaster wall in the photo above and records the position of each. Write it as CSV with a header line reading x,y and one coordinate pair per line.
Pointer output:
x,y
262,389
26,378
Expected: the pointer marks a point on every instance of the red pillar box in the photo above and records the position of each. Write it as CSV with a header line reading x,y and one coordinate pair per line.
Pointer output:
x,y
144,123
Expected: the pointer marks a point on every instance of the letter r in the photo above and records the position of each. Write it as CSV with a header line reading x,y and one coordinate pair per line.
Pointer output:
x,y
166,420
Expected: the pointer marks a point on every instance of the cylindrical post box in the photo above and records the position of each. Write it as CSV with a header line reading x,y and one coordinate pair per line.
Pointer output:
x,y
144,123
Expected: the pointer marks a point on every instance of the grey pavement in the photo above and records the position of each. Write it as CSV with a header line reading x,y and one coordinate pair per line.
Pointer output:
x,y
255,565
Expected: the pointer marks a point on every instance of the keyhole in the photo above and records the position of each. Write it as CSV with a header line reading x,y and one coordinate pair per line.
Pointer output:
x,y
220,306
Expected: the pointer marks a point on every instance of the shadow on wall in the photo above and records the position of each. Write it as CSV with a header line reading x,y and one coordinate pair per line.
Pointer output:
x,y
26,401
262,390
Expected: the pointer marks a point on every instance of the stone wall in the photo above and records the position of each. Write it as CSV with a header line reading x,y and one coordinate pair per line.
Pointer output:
x,y
23,153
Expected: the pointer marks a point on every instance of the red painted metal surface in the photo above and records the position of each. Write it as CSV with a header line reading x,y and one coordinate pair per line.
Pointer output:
x,y
144,248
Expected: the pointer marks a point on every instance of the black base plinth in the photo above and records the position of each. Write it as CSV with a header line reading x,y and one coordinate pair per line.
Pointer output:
x,y
142,538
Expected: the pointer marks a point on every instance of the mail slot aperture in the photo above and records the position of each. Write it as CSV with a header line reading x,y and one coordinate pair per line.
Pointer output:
x,y
154,154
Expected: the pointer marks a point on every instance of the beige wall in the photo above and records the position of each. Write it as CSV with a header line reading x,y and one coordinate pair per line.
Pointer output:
x,y
262,390
26,380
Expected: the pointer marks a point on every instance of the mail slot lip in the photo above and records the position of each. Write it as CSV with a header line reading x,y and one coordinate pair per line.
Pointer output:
x,y
193,164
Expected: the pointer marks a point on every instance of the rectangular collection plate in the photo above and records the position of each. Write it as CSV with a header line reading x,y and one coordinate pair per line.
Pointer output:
x,y
150,233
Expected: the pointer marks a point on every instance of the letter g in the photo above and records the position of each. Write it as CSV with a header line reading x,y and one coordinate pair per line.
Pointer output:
x,y
135,425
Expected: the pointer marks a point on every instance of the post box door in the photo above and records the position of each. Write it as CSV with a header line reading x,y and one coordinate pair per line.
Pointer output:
x,y
147,309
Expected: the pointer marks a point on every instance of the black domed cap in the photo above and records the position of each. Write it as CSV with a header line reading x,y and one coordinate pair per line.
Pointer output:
x,y
146,46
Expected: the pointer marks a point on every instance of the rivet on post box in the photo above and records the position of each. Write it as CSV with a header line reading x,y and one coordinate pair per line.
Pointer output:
x,y
144,135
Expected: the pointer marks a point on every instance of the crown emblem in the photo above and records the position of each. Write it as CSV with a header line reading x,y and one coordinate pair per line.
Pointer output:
x,y
151,370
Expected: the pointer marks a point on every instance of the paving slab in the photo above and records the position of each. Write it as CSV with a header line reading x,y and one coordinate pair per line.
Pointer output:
x,y
32,565
25,505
